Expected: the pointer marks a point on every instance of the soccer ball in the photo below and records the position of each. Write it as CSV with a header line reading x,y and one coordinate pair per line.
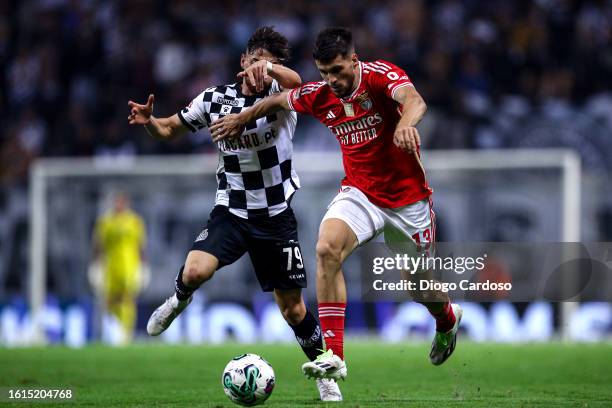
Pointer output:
x,y
248,380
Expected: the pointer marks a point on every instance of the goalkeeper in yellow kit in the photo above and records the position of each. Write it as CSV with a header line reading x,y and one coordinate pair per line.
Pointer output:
x,y
119,242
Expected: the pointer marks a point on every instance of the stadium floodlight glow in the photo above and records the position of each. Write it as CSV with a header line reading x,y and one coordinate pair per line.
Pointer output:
x,y
324,164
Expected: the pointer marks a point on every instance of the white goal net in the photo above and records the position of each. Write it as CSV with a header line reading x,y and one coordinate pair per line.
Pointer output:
x,y
533,193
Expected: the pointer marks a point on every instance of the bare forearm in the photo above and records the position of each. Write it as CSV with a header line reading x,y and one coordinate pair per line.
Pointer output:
x,y
286,77
159,128
265,107
413,111
413,105
233,125
166,128
406,135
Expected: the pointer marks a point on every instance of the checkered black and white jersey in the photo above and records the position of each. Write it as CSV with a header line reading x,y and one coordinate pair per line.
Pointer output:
x,y
255,174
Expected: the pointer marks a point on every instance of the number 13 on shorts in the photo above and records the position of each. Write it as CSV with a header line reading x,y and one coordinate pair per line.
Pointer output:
x,y
423,240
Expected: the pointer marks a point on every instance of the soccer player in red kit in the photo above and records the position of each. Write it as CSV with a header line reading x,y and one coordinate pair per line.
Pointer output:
x,y
372,108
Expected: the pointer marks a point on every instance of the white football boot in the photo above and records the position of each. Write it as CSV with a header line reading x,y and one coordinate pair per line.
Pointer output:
x,y
329,390
164,315
327,365
444,344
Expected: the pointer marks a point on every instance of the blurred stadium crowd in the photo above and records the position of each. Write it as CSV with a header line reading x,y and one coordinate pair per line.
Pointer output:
x,y
68,67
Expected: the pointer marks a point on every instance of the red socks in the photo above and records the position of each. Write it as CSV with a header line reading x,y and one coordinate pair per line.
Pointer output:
x,y
331,316
445,318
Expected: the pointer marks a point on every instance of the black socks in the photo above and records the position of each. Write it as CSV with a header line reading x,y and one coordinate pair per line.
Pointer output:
x,y
183,292
308,335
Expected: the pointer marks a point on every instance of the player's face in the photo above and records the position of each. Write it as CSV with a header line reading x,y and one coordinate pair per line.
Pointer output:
x,y
249,58
121,203
340,74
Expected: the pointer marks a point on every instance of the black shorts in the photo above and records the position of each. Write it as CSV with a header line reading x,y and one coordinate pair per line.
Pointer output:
x,y
272,244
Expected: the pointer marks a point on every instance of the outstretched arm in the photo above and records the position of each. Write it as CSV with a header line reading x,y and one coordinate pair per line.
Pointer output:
x,y
286,77
406,135
163,128
230,126
258,72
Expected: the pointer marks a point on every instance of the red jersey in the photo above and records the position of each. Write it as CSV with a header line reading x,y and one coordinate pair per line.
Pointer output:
x,y
364,124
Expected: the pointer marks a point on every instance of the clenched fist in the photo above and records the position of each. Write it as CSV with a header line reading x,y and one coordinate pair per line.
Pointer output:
x,y
407,138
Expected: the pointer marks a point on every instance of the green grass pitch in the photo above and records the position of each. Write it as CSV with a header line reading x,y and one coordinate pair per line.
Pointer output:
x,y
478,375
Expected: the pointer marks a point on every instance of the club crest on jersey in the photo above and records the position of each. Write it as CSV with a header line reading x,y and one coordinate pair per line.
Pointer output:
x,y
366,105
364,101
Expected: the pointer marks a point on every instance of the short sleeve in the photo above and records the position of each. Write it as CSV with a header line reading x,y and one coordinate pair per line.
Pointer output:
x,y
301,99
387,76
196,115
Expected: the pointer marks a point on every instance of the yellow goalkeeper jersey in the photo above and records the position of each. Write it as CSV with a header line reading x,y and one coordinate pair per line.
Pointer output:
x,y
121,235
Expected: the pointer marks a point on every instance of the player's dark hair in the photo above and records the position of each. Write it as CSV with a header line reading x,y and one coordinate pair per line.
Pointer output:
x,y
332,42
270,40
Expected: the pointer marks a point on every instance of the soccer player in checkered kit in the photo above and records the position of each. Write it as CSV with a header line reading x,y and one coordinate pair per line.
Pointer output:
x,y
256,181
372,108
